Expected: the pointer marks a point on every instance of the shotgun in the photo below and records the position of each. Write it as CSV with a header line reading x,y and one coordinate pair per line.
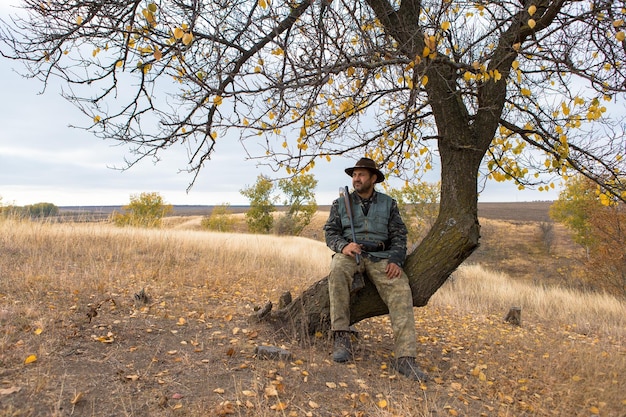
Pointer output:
x,y
358,281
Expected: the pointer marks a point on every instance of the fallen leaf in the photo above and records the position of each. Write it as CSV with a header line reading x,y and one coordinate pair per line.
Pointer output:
x,y
331,385
218,390
382,403
279,406
132,377
224,409
30,359
313,404
248,393
177,396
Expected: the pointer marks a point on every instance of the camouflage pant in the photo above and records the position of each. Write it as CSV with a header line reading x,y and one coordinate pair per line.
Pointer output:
x,y
395,292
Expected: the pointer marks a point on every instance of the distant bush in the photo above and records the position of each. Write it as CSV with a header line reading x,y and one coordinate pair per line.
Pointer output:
x,y
220,220
144,210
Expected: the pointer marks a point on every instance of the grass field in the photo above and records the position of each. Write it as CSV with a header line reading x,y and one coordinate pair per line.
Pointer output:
x,y
79,338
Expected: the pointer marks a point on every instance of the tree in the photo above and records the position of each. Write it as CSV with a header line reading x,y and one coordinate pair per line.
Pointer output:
x,y
576,204
599,226
144,210
495,90
418,204
41,210
300,203
259,216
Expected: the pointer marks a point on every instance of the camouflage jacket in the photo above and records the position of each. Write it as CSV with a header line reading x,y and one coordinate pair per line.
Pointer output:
x,y
397,231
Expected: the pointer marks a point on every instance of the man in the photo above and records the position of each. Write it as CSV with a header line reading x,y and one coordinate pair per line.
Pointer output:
x,y
381,246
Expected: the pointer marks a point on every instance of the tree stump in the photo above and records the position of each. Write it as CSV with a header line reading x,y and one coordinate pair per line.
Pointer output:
x,y
514,316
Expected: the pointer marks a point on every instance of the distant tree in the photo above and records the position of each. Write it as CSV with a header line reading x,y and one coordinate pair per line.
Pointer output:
x,y
41,210
259,217
299,202
144,210
576,204
37,210
599,225
220,219
419,206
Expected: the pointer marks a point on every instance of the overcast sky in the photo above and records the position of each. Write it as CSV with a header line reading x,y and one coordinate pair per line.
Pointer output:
x,y
44,160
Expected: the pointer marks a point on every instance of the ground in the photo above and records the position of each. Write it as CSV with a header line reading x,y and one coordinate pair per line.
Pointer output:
x,y
186,347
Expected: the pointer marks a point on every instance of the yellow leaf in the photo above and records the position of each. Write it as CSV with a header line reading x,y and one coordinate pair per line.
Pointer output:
x,y
382,403
424,80
532,9
79,20
217,101
618,23
525,92
620,36
605,201
594,410
178,33
187,38
531,23
38,331
263,4
576,378
445,25
30,359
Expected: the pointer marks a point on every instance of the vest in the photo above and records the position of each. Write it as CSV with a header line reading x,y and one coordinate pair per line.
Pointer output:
x,y
370,228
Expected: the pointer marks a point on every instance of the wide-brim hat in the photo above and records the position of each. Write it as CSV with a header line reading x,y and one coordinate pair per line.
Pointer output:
x,y
367,164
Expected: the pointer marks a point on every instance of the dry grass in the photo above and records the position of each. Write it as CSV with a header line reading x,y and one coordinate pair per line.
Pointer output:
x,y
189,350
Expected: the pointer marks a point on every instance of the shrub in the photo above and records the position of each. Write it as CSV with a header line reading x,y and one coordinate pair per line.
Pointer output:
x,y
144,210
220,219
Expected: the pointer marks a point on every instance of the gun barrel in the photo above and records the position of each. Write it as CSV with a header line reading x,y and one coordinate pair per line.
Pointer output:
x,y
346,196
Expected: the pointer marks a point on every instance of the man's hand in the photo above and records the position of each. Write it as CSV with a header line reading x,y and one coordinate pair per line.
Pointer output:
x,y
351,249
393,270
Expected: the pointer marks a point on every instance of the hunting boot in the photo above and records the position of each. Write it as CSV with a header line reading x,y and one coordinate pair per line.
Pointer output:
x,y
407,366
342,347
